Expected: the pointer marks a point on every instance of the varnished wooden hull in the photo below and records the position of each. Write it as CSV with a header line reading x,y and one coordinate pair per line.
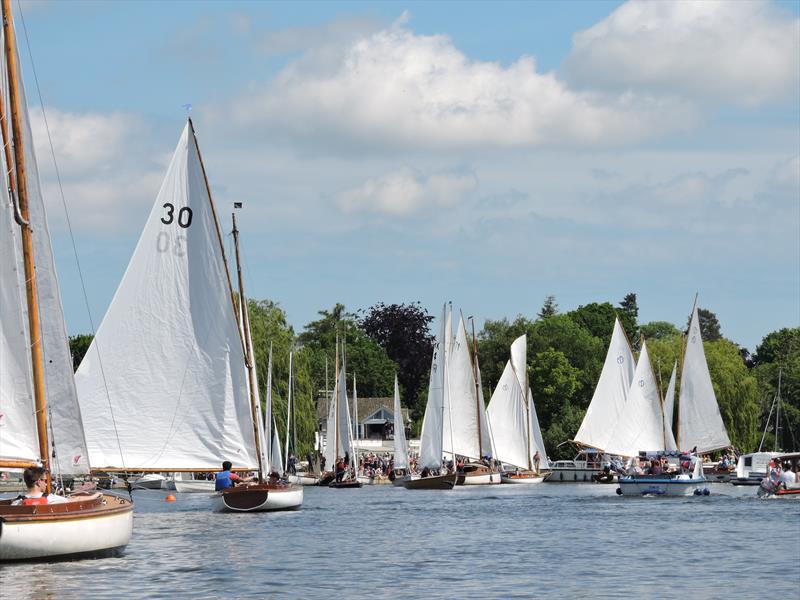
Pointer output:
x,y
263,497
437,482
101,525
523,478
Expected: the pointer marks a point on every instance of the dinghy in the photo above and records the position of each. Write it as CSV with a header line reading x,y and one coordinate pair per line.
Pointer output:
x,y
40,421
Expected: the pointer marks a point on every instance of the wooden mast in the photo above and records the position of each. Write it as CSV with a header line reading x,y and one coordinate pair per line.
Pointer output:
x,y
27,237
528,416
477,387
248,350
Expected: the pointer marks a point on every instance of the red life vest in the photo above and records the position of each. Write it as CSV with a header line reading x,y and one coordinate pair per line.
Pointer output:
x,y
33,501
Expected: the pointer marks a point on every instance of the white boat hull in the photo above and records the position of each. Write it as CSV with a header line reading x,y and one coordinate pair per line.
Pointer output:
x,y
482,479
303,479
678,486
69,535
149,482
194,486
576,475
290,498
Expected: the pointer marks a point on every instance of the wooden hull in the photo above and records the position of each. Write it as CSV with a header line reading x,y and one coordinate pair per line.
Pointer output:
x,y
523,478
438,482
263,497
487,478
349,484
366,480
99,526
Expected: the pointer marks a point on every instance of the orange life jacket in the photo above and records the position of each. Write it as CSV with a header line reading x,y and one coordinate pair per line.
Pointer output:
x,y
33,501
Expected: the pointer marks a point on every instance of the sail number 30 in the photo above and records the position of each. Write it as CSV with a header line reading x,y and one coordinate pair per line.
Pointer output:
x,y
184,215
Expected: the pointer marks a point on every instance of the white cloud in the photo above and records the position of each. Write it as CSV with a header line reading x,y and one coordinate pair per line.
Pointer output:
x,y
405,192
397,88
786,177
746,53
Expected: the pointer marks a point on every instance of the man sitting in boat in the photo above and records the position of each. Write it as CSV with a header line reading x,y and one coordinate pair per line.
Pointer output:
x,y
226,479
36,482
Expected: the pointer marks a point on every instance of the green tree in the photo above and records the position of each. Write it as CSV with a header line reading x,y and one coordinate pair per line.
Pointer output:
x,y
709,325
78,346
779,353
553,382
657,330
549,308
403,331
562,431
597,319
629,315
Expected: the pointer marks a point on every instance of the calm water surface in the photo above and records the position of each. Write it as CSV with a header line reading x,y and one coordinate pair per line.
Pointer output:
x,y
549,540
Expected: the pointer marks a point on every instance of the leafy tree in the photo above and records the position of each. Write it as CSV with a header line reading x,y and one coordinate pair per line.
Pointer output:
x,y
549,308
657,330
779,353
598,319
553,382
494,346
78,346
403,331
561,431
709,325
629,306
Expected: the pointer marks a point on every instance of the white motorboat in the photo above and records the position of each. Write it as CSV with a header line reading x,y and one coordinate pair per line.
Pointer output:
x,y
149,481
188,483
588,466
752,468
682,484
263,497
522,477
303,478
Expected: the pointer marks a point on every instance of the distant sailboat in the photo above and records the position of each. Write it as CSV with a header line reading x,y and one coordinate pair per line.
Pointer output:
x,y
437,417
339,440
40,422
400,469
513,420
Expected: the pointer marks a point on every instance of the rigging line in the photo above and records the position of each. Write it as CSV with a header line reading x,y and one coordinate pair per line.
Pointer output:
x,y
69,226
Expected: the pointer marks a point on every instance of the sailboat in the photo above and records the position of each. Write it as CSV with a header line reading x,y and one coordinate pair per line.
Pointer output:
x,y
400,470
608,401
339,440
40,422
298,477
171,365
437,418
513,421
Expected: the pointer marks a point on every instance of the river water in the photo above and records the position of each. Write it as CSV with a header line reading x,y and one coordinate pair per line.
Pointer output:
x,y
542,541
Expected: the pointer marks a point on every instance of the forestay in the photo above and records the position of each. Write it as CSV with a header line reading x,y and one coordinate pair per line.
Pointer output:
x,y
699,420
611,392
400,447
167,364
537,442
641,425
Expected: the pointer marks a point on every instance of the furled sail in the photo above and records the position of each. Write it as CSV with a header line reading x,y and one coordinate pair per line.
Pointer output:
x,y
400,447
699,420
611,392
167,365
436,417
669,406
641,424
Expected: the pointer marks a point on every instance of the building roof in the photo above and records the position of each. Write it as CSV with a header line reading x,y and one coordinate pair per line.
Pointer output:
x,y
367,407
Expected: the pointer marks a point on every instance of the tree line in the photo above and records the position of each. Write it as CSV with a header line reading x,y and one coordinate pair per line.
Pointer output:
x,y
566,352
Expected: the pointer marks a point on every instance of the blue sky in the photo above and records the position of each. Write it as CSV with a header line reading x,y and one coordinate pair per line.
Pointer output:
x,y
485,153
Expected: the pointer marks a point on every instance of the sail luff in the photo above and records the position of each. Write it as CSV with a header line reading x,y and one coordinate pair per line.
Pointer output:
x,y
433,421
400,448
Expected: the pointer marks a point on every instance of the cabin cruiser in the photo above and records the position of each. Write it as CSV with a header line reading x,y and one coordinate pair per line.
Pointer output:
x,y
752,468
785,484
588,466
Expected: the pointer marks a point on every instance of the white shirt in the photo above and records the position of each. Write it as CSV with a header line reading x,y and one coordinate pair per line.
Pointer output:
x,y
51,498
788,477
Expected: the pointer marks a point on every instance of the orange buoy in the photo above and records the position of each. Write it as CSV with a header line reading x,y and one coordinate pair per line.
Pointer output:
x,y
170,498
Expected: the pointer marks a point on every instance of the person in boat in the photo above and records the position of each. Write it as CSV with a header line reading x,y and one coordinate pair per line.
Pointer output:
x,y
536,460
36,483
291,464
787,477
655,467
341,467
226,479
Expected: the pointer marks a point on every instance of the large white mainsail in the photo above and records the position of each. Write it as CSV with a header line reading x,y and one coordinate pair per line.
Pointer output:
x,y
669,406
507,411
611,393
641,424
400,447
276,458
338,438
168,357
436,417
469,430
537,441
699,420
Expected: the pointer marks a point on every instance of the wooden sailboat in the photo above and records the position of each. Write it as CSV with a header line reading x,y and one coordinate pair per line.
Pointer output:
x,y
339,427
515,426
400,470
39,414
437,419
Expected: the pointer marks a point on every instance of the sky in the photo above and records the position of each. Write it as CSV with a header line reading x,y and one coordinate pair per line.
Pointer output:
x,y
489,154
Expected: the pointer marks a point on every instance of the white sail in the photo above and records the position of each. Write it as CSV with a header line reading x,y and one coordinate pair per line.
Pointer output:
x,y
699,420
331,453
508,419
537,442
434,422
400,447
669,406
345,425
487,444
464,437
641,424
611,392
277,459
18,437
338,421
167,364
269,428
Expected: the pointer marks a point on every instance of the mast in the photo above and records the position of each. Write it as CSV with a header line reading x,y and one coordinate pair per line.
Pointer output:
x,y
778,411
355,412
289,421
248,350
449,395
528,417
336,406
22,217
477,387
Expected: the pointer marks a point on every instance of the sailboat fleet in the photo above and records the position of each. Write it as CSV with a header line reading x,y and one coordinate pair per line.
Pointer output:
x,y
169,383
